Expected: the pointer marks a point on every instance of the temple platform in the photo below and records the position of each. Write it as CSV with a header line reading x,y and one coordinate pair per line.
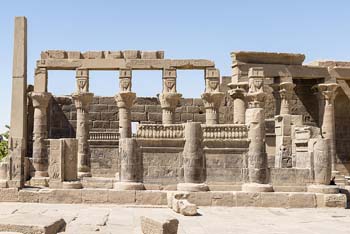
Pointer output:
x,y
159,198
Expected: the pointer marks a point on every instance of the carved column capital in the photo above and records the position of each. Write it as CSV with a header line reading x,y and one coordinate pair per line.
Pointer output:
x,y
238,90
40,99
125,99
125,83
169,101
82,100
329,92
286,89
212,80
212,100
256,96
169,81
82,79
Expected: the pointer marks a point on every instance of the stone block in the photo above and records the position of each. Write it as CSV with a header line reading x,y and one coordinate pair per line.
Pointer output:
x,y
121,197
331,200
156,117
96,182
186,117
151,197
199,118
302,200
147,101
273,199
94,195
248,199
114,124
131,54
223,199
192,109
268,58
31,196
149,54
93,116
8,194
186,102
74,55
200,198
159,225
113,54
198,102
113,108
56,54
98,108
138,116
109,116
93,55
153,108
101,124
107,100
32,224
138,108
65,196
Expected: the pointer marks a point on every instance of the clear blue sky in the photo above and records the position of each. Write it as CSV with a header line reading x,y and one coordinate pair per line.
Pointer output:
x,y
182,28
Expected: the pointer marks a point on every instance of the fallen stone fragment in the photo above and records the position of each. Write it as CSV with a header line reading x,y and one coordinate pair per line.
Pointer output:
x,y
32,224
159,225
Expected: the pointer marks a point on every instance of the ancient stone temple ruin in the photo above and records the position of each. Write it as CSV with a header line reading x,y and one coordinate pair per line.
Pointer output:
x,y
271,134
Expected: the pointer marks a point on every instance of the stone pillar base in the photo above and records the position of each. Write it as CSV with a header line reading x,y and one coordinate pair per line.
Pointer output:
x,y
192,187
84,174
40,181
257,188
321,188
121,186
3,183
72,185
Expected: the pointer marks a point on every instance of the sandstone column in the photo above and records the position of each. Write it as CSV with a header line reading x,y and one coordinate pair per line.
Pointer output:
x,y
212,97
40,155
193,159
125,99
169,98
131,169
82,102
82,99
255,118
237,93
322,168
18,132
329,91
286,89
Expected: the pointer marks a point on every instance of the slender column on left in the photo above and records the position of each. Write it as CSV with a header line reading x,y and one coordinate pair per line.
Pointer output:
x,y
40,155
82,99
12,167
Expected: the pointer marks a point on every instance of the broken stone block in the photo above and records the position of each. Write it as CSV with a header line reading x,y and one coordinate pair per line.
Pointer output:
x,y
159,225
113,54
55,54
187,208
74,54
179,203
93,55
149,54
131,54
29,224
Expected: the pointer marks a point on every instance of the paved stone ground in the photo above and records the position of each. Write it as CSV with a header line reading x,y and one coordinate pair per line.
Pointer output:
x,y
114,219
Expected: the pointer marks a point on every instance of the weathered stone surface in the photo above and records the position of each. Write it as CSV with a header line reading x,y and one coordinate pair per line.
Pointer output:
x,y
94,195
29,224
68,196
331,200
159,225
121,197
151,197
8,194
268,58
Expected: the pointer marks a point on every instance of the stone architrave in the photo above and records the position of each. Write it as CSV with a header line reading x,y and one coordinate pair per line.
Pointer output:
x,y
193,159
125,101
255,118
237,92
40,155
286,89
212,97
329,91
63,161
82,102
131,167
169,98
14,168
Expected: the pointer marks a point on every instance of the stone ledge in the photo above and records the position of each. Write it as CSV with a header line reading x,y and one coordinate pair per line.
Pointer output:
x,y
159,198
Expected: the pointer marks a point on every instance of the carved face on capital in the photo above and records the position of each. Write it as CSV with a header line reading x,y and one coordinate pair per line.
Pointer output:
x,y
125,84
82,84
169,84
258,83
213,84
255,85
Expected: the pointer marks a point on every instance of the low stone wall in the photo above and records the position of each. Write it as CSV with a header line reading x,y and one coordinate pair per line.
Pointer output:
x,y
159,198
